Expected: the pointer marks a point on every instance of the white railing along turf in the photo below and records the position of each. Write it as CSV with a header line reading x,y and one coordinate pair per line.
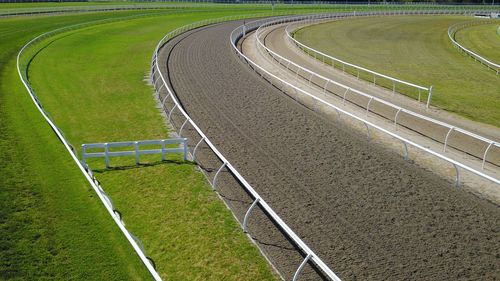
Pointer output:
x,y
452,30
325,57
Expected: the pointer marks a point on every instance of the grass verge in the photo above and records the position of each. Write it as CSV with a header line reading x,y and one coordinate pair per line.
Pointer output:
x,y
415,49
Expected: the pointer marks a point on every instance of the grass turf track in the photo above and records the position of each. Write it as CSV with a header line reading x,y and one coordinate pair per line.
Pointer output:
x,y
481,39
52,224
416,49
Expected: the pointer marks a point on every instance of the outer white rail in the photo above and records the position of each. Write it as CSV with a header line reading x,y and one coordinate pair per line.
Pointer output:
x,y
82,9
86,171
452,30
155,70
240,31
397,109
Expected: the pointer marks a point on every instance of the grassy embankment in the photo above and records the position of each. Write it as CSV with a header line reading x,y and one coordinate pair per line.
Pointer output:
x,y
481,39
415,49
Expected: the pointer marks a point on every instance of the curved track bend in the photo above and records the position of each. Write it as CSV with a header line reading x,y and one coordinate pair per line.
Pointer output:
x,y
366,212
275,39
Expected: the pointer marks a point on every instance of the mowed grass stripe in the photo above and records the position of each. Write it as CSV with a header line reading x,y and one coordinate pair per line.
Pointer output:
x,y
415,49
481,39
53,225
99,94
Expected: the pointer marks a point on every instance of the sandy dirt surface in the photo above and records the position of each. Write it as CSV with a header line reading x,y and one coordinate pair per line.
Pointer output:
x,y
365,211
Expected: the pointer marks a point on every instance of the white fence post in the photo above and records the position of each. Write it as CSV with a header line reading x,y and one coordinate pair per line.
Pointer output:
x,y
106,154
486,153
217,174
163,150
185,148
84,151
247,214
301,267
429,96
136,146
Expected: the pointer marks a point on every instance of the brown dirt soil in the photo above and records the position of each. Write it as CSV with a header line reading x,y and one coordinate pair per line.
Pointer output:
x,y
365,211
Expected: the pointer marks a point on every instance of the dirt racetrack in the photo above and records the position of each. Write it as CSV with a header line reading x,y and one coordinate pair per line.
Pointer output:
x,y
365,211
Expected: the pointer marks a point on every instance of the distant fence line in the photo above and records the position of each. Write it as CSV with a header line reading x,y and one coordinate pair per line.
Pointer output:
x,y
452,30
373,3
127,5
83,9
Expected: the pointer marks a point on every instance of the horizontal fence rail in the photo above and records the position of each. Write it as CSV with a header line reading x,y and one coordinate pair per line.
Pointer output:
x,y
258,200
83,9
452,30
242,30
448,129
137,152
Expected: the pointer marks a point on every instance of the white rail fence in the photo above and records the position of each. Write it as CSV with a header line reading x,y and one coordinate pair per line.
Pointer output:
x,y
159,81
480,146
452,30
285,85
22,62
83,9
137,151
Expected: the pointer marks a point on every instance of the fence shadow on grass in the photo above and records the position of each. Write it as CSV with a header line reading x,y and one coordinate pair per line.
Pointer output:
x,y
143,165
